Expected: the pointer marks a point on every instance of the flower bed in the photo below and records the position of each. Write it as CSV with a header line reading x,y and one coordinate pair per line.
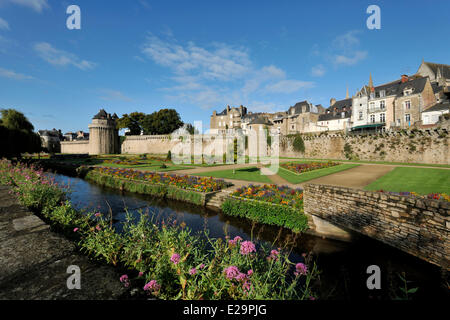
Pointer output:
x,y
270,204
433,196
272,193
299,168
168,261
183,182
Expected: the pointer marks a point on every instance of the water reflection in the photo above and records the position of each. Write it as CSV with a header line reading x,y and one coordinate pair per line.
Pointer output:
x,y
343,265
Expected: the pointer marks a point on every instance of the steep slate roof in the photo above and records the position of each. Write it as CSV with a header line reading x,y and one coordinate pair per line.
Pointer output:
x,y
49,133
445,69
417,85
330,114
101,115
298,107
439,107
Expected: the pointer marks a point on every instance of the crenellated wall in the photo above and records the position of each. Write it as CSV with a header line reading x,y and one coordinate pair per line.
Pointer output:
x,y
419,146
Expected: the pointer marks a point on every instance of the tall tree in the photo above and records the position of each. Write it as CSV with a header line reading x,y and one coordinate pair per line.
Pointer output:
x,y
17,134
164,121
133,122
15,120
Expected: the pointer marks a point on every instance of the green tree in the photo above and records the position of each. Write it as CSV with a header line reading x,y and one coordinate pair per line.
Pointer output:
x,y
17,134
133,122
15,120
164,121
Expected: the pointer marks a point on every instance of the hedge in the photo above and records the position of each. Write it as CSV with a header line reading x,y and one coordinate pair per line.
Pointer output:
x,y
267,213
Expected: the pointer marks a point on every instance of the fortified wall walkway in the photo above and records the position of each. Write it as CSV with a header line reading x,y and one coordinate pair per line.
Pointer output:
x,y
34,260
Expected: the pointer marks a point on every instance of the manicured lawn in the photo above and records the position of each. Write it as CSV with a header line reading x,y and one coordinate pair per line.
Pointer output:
x,y
376,162
247,174
299,178
420,180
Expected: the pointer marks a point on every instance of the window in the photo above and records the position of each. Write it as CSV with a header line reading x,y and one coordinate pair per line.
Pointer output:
x,y
382,104
372,118
382,117
372,106
407,117
343,114
398,121
407,105
292,128
382,93
360,115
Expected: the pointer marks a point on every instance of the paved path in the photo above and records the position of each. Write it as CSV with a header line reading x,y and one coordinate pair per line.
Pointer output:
x,y
34,260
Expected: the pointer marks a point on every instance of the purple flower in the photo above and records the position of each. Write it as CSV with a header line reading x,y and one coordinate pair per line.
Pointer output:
x,y
241,276
247,247
152,285
192,271
231,272
301,269
175,258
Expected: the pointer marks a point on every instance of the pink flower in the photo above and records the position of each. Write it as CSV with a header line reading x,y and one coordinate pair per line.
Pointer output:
x,y
274,255
231,272
201,266
241,277
75,230
301,269
98,214
98,228
247,247
124,278
141,274
175,258
152,285
192,271
249,272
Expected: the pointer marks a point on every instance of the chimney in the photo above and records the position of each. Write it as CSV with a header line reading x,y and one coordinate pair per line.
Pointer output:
x,y
214,113
332,101
228,109
404,78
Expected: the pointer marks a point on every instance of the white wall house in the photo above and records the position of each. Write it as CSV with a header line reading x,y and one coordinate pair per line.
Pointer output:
x,y
431,115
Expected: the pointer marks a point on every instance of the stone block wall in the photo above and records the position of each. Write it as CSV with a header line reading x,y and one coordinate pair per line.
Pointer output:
x,y
417,146
75,147
417,226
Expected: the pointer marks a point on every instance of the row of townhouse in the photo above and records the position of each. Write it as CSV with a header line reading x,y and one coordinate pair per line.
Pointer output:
x,y
411,101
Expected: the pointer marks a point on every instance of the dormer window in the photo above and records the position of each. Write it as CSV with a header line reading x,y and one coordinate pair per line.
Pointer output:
x,y
408,91
382,93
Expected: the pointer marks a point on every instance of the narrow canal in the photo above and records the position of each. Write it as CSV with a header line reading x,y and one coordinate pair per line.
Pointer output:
x,y
343,265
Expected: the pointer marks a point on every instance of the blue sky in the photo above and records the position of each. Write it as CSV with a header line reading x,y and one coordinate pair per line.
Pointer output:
x,y
199,56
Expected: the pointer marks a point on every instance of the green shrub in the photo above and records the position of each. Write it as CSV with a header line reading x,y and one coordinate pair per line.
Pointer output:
x,y
298,144
283,216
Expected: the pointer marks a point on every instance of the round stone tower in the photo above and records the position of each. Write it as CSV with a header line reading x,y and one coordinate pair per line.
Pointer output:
x,y
103,135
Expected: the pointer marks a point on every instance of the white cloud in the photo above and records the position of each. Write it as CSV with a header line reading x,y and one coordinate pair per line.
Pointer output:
x,y
61,58
13,75
4,25
36,5
217,74
289,86
114,95
350,60
349,39
318,71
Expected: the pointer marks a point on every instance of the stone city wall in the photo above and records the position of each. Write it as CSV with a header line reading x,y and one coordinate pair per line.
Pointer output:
x,y
417,226
75,147
416,146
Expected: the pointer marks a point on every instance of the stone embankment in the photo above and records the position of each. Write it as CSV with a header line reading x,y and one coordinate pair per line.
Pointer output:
x,y
34,260
418,226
